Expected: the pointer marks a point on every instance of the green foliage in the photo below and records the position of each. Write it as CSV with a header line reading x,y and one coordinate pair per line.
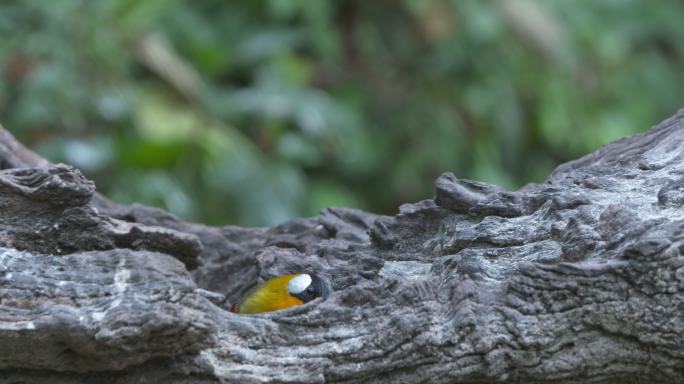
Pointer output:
x,y
251,112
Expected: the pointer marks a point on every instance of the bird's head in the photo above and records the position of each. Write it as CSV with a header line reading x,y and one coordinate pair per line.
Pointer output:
x,y
307,287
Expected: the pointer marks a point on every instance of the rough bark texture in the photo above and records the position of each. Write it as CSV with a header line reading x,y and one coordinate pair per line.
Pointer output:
x,y
576,280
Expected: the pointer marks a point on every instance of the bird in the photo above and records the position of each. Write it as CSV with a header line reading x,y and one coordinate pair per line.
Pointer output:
x,y
282,292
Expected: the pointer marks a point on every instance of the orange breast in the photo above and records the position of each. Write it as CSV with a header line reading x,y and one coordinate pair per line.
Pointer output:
x,y
272,295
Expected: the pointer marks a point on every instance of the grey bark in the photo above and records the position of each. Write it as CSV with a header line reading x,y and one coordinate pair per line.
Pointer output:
x,y
576,280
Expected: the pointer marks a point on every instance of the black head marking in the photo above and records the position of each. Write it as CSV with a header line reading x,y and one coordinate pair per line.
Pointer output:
x,y
317,288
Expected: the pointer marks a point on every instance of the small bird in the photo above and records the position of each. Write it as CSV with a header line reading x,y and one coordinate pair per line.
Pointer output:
x,y
282,292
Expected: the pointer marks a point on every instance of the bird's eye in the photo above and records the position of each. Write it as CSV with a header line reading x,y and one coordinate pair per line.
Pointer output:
x,y
310,290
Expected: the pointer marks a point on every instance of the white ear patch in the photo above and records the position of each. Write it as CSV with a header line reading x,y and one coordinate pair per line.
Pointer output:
x,y
298,284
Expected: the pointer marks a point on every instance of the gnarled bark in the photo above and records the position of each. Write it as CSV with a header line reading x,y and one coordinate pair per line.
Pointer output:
x,y
576,280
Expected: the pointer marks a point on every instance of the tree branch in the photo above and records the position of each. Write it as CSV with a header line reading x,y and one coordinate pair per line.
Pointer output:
x,y
578,279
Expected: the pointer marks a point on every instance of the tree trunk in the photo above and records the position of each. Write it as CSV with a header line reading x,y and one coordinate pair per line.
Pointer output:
x,y
576,280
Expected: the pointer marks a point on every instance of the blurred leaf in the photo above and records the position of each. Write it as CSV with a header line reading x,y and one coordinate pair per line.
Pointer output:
x,y
159,120
147,154
251,112
89,156
135,15
328,193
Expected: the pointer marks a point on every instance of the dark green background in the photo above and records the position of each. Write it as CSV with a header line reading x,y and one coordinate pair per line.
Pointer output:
x,y
251,112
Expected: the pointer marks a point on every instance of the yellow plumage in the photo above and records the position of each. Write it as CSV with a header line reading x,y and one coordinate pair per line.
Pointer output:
x,y
272,295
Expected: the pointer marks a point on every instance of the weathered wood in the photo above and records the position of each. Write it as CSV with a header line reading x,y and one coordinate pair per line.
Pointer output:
x,y
576,280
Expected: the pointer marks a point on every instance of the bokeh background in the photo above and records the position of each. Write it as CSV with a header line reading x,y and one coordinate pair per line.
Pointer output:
x,y
252,112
